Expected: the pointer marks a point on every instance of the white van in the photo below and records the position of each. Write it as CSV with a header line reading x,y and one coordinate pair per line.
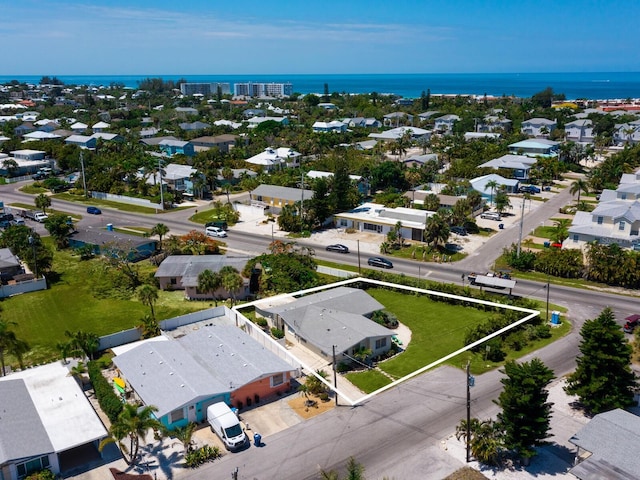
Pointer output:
x,y
226,425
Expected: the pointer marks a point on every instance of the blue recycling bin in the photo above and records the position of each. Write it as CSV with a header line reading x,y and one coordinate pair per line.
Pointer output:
x,y
501,226
547,244
257,439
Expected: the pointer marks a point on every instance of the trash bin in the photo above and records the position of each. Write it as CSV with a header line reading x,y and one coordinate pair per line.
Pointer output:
x,y
547,244
257,439
501,226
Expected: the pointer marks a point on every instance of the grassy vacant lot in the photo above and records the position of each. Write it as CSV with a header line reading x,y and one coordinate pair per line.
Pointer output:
x,y
437,329
71,303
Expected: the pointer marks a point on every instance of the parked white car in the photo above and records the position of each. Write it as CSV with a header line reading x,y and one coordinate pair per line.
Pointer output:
x,y
491,216
215,232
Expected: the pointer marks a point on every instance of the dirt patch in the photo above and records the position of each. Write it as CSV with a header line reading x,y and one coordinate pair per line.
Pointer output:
x,y
300,406
466,473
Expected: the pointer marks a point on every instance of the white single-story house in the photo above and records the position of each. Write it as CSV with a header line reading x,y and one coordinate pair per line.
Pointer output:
x,y
45,421
396,133
479,184
274,158
277,197
376,218
520,165
333,126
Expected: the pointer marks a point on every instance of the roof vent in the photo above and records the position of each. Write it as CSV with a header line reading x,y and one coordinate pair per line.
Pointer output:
x,y
182,385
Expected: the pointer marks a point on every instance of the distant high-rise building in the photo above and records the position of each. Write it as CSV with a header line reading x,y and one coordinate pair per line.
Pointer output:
x,y
251,89
204,88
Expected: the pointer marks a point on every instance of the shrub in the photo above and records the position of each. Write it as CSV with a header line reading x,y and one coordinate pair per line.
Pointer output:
x,y
207,453
45,474
494,351
109,402
344,367
262,322
277,333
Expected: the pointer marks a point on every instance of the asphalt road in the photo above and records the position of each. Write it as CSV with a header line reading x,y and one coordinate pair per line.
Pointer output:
x,y
397,433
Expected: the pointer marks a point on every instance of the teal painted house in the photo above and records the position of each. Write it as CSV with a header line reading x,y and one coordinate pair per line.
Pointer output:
x,y
177,147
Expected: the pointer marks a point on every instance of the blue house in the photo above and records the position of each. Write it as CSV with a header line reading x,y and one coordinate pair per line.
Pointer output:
x,y
176,147
83,141
218,362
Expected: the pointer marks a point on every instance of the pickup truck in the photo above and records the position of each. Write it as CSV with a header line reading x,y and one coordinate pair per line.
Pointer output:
x,y
36,215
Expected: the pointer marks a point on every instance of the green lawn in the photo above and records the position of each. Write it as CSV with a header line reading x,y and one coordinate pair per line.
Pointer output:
x,y
437,329
70,304
124,207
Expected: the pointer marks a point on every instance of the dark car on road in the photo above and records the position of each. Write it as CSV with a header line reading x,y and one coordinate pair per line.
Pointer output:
x,y
529,189
94,210
632,322
337,247
380,262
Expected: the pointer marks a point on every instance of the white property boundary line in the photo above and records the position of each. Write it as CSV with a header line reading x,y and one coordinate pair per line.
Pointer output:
x,y
529,315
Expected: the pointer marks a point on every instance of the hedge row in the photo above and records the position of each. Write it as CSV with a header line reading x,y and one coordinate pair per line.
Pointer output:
x,y
109,402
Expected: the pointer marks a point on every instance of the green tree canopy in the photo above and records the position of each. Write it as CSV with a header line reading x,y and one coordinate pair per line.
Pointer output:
x,y
603,379
526,414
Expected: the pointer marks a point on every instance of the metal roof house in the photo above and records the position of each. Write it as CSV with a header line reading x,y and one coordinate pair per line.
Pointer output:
x,y
45,418
607,447
539,147
520,165
274,158
277,197
216,363
332,317
180,272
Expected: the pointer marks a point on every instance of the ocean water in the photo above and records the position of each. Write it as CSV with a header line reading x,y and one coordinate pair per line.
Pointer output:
x,y
595,85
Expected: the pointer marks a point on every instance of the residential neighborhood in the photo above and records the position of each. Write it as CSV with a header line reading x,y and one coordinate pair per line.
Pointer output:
x,y
298,257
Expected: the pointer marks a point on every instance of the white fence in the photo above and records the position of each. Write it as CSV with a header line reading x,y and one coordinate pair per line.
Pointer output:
x,y
142,202
23,287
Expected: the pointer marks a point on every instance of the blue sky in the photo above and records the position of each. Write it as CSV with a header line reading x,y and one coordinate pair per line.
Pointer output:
x,y
191,37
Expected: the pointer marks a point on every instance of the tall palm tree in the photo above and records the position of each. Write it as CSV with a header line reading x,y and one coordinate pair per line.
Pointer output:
x,y
43,201
492,184
579,186
133,424
561,230
209,282
231,281
148,295
227,174
436,230
10,344
159,229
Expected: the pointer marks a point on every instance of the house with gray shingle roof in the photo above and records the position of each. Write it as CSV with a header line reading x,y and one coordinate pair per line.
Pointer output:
x,y
580,131
538,127
215,363
277,197
339,317
180,272
607,447
45,418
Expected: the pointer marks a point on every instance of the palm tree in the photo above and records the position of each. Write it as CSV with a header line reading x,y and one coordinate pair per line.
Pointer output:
x,y
185,435
159,229
492,184
10,344
149,327
579,186
148,295
209,282
227,174
436,231
231,281
132,424
42,202
83,343
561,230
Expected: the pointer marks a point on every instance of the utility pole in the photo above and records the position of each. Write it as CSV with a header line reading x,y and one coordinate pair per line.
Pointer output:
x,y
335,375
470,383
161,187
84,180
521,227
359,269
548,284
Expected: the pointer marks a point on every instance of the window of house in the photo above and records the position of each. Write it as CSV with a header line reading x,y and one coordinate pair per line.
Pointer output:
x,y
177,415
277,379
381,342
575,237
623,196
600,220
173,281
372,227
343,222
33,465
621,226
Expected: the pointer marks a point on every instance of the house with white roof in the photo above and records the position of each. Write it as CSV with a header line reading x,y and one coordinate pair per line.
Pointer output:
x,y
376,218
39,135
520,165
362,122
397,119
255,121
274,158
218,362
479,184
397,133
579,131
627,133
493,123
358,180
45,420
538,127
444,124
79,127
337,318
227,123
82,141
333,126
616,219
108,137
538,147
100,127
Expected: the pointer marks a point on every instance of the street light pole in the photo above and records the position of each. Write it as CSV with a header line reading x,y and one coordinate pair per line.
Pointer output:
x,y
548,284
470,383
84,180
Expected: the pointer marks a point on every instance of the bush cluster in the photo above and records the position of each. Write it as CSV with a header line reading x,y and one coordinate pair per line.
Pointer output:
x,y
200,456
109,402
277,333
